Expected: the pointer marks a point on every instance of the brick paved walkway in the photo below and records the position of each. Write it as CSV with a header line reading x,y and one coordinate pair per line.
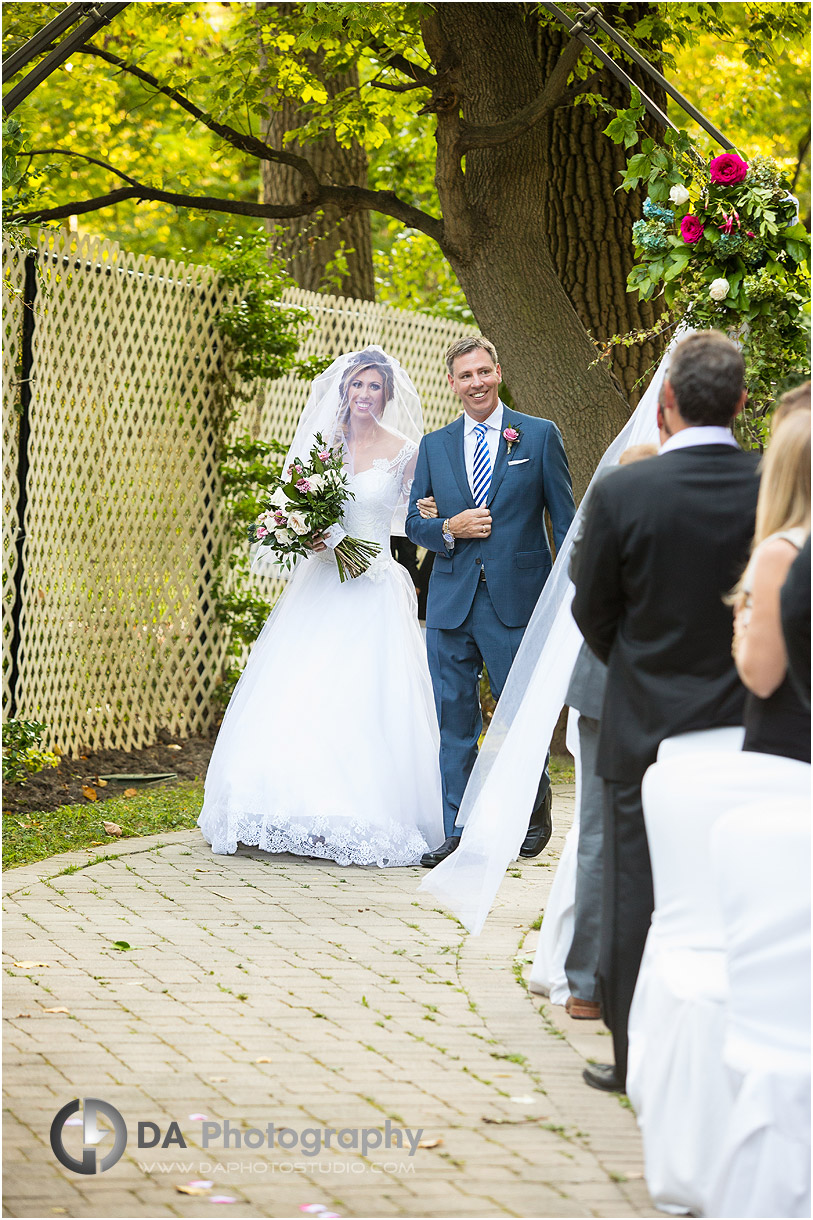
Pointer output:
x,y
275,990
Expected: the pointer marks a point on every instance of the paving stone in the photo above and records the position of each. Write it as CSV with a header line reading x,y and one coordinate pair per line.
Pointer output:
x,y
364,1019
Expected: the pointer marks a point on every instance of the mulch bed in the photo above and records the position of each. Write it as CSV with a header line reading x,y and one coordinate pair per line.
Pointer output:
x,y
63,785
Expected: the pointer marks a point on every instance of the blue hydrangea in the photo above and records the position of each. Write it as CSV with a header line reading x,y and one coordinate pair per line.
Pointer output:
x,y
651,235
730,243
654,211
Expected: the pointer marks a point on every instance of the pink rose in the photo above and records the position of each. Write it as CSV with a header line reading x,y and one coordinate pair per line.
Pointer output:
x,y
728,169
511,434
261,531
304,486
691,229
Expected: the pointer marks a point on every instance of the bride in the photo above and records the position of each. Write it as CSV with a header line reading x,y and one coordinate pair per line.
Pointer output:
x,y
329,745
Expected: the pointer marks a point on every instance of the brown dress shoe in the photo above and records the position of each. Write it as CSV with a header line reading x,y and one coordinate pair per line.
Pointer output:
x,y
582,1010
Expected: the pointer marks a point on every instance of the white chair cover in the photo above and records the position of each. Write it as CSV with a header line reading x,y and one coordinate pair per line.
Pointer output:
x,y
676,1079
556,934
761,858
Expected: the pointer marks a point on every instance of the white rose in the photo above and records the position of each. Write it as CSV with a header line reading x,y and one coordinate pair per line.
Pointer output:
x,y
718,290
298,522
317,481
283,535
278,498
679,195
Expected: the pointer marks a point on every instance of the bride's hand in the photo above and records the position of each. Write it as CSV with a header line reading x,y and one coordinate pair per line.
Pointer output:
x,y
317,543
427,507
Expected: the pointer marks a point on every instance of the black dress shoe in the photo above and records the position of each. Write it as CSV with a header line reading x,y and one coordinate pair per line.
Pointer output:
x,y
540,828
440,853
603,1076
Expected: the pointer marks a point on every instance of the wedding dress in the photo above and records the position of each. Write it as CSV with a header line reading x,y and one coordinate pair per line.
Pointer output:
x,y
329,747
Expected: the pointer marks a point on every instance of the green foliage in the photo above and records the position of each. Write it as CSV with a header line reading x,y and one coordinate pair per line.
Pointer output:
x,y
22,753
38,836
727,255
248,468
263,337
264,333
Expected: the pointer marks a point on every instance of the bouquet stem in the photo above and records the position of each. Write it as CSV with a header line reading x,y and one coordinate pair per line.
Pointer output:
x,y
354,556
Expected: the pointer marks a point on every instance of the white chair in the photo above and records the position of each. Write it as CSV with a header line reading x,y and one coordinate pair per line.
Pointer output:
x,y
676,1079
761,858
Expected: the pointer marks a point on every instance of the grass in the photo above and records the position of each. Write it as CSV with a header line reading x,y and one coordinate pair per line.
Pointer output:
x,y
36,836
562,769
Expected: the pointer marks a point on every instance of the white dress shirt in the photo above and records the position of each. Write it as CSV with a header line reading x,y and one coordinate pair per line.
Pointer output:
x,y
493,428
705,435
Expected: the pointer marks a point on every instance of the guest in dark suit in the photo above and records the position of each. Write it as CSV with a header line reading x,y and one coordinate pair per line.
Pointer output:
x,y
664,541
585,693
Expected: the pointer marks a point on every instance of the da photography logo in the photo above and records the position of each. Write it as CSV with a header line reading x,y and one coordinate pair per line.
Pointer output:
x,y
92,1135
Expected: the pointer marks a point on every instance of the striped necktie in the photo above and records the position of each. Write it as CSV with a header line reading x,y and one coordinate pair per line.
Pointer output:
x,y
482,467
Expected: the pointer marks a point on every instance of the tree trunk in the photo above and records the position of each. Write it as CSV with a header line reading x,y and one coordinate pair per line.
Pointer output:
x,y
314,241
496,222
588,220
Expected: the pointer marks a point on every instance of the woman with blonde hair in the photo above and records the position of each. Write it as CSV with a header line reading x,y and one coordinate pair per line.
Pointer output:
x,y
776,722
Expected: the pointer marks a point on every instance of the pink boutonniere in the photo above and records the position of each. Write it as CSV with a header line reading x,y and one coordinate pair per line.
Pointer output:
x,y
512,436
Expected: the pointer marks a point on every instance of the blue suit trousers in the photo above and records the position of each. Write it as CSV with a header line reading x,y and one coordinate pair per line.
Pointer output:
x,y
456,658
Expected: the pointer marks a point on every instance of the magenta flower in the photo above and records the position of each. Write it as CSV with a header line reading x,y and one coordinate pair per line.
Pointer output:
x,y
511,434
728,226
691,229
304,486
749,234
261,531
728,169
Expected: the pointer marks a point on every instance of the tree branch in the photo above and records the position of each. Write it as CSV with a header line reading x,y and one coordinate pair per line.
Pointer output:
x,y
495,134
238,139
349,198
401,64
67,152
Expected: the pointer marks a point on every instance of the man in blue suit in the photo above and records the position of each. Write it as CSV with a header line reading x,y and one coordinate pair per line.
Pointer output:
x,y
489,477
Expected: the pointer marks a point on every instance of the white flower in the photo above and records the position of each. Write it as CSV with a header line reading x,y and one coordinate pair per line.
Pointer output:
x,y
283,535
317,481
278,498
298,522
718,290
679,195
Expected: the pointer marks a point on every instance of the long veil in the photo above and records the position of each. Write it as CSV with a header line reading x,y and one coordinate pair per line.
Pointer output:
x,y
500,793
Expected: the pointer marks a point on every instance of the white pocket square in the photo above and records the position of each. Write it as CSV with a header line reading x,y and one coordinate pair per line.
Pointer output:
x,y
518,461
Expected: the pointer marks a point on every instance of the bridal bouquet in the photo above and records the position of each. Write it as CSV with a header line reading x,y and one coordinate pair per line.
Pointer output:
x,y
307,501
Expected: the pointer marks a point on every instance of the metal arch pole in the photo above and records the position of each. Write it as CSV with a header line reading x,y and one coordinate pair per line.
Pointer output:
x,y
593,15
575,28
578,30
15,62
99,17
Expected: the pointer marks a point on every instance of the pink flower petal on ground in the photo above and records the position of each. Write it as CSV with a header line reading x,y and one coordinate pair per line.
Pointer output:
x,y
201,1184
222,1199
198,1118
75,1120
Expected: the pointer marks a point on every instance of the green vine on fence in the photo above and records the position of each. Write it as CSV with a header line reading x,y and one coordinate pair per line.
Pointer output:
x,y
262,335
720,242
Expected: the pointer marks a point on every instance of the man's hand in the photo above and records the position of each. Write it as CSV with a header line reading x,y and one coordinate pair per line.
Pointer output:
x,y
427,507
471,523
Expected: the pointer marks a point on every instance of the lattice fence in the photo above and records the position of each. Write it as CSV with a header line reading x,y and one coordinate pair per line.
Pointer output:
x,y
117,635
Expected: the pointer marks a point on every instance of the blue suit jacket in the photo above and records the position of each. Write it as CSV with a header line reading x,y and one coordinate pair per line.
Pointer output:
x,y
516,555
